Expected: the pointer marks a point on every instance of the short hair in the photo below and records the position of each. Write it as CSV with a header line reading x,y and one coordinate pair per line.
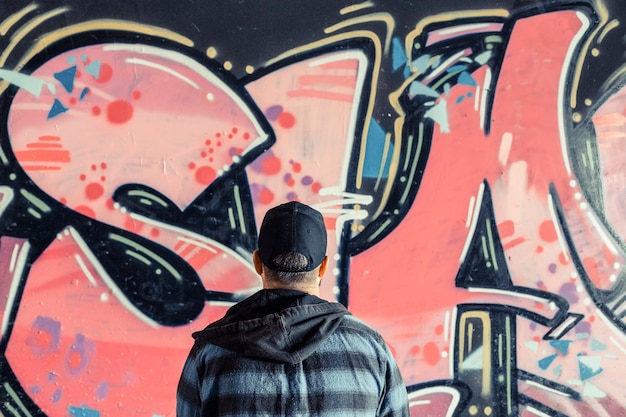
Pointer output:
x,y
290,261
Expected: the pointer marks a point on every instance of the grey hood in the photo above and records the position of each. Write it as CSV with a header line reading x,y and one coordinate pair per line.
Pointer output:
x,y
278,325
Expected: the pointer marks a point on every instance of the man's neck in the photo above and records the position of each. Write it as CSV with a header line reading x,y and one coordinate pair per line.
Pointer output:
x,y
310,289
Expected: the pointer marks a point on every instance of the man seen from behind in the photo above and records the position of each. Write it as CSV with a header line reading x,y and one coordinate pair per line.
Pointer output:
x,y
284,351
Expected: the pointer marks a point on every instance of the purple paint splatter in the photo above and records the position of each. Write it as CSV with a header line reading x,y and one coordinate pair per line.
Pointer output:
x,y
568,291
44,336
273,112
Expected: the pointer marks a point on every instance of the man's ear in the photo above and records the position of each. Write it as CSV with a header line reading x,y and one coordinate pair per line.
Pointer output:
x,y
258,265
323,267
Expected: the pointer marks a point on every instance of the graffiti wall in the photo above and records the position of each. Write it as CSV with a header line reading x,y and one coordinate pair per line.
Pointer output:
x,y
466,157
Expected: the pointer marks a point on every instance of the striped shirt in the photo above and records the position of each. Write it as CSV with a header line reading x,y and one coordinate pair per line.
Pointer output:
x,y
350,371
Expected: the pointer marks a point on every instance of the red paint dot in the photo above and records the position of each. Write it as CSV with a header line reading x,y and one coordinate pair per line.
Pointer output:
x,y
266,196
207,142
246,136
63,200
286,120
431,353
562,259
94,191
154,232
415,350
82,177
85,211
103,165
72,101
75,359
547,231
439,329
235,130
316,187
136,95
119,112
271,165
539,249
43,339
110,204
191,166
205,175
95,110
296,167
290,182
105,74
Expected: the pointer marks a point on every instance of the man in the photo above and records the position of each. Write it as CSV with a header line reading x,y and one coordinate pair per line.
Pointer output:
x,y
284,351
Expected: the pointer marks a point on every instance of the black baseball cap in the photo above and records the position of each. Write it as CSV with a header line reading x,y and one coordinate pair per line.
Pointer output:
x,y
292,227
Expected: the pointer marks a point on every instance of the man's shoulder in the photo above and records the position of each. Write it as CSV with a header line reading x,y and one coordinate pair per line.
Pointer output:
x,y
354,324
204,350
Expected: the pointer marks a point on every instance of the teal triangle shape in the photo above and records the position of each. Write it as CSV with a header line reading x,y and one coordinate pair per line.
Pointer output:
x,y
398,57
66,78
56,109
587,372
593,362
93,68
466,79
373,165
597,345
416,88
561,345
547,361
422,63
